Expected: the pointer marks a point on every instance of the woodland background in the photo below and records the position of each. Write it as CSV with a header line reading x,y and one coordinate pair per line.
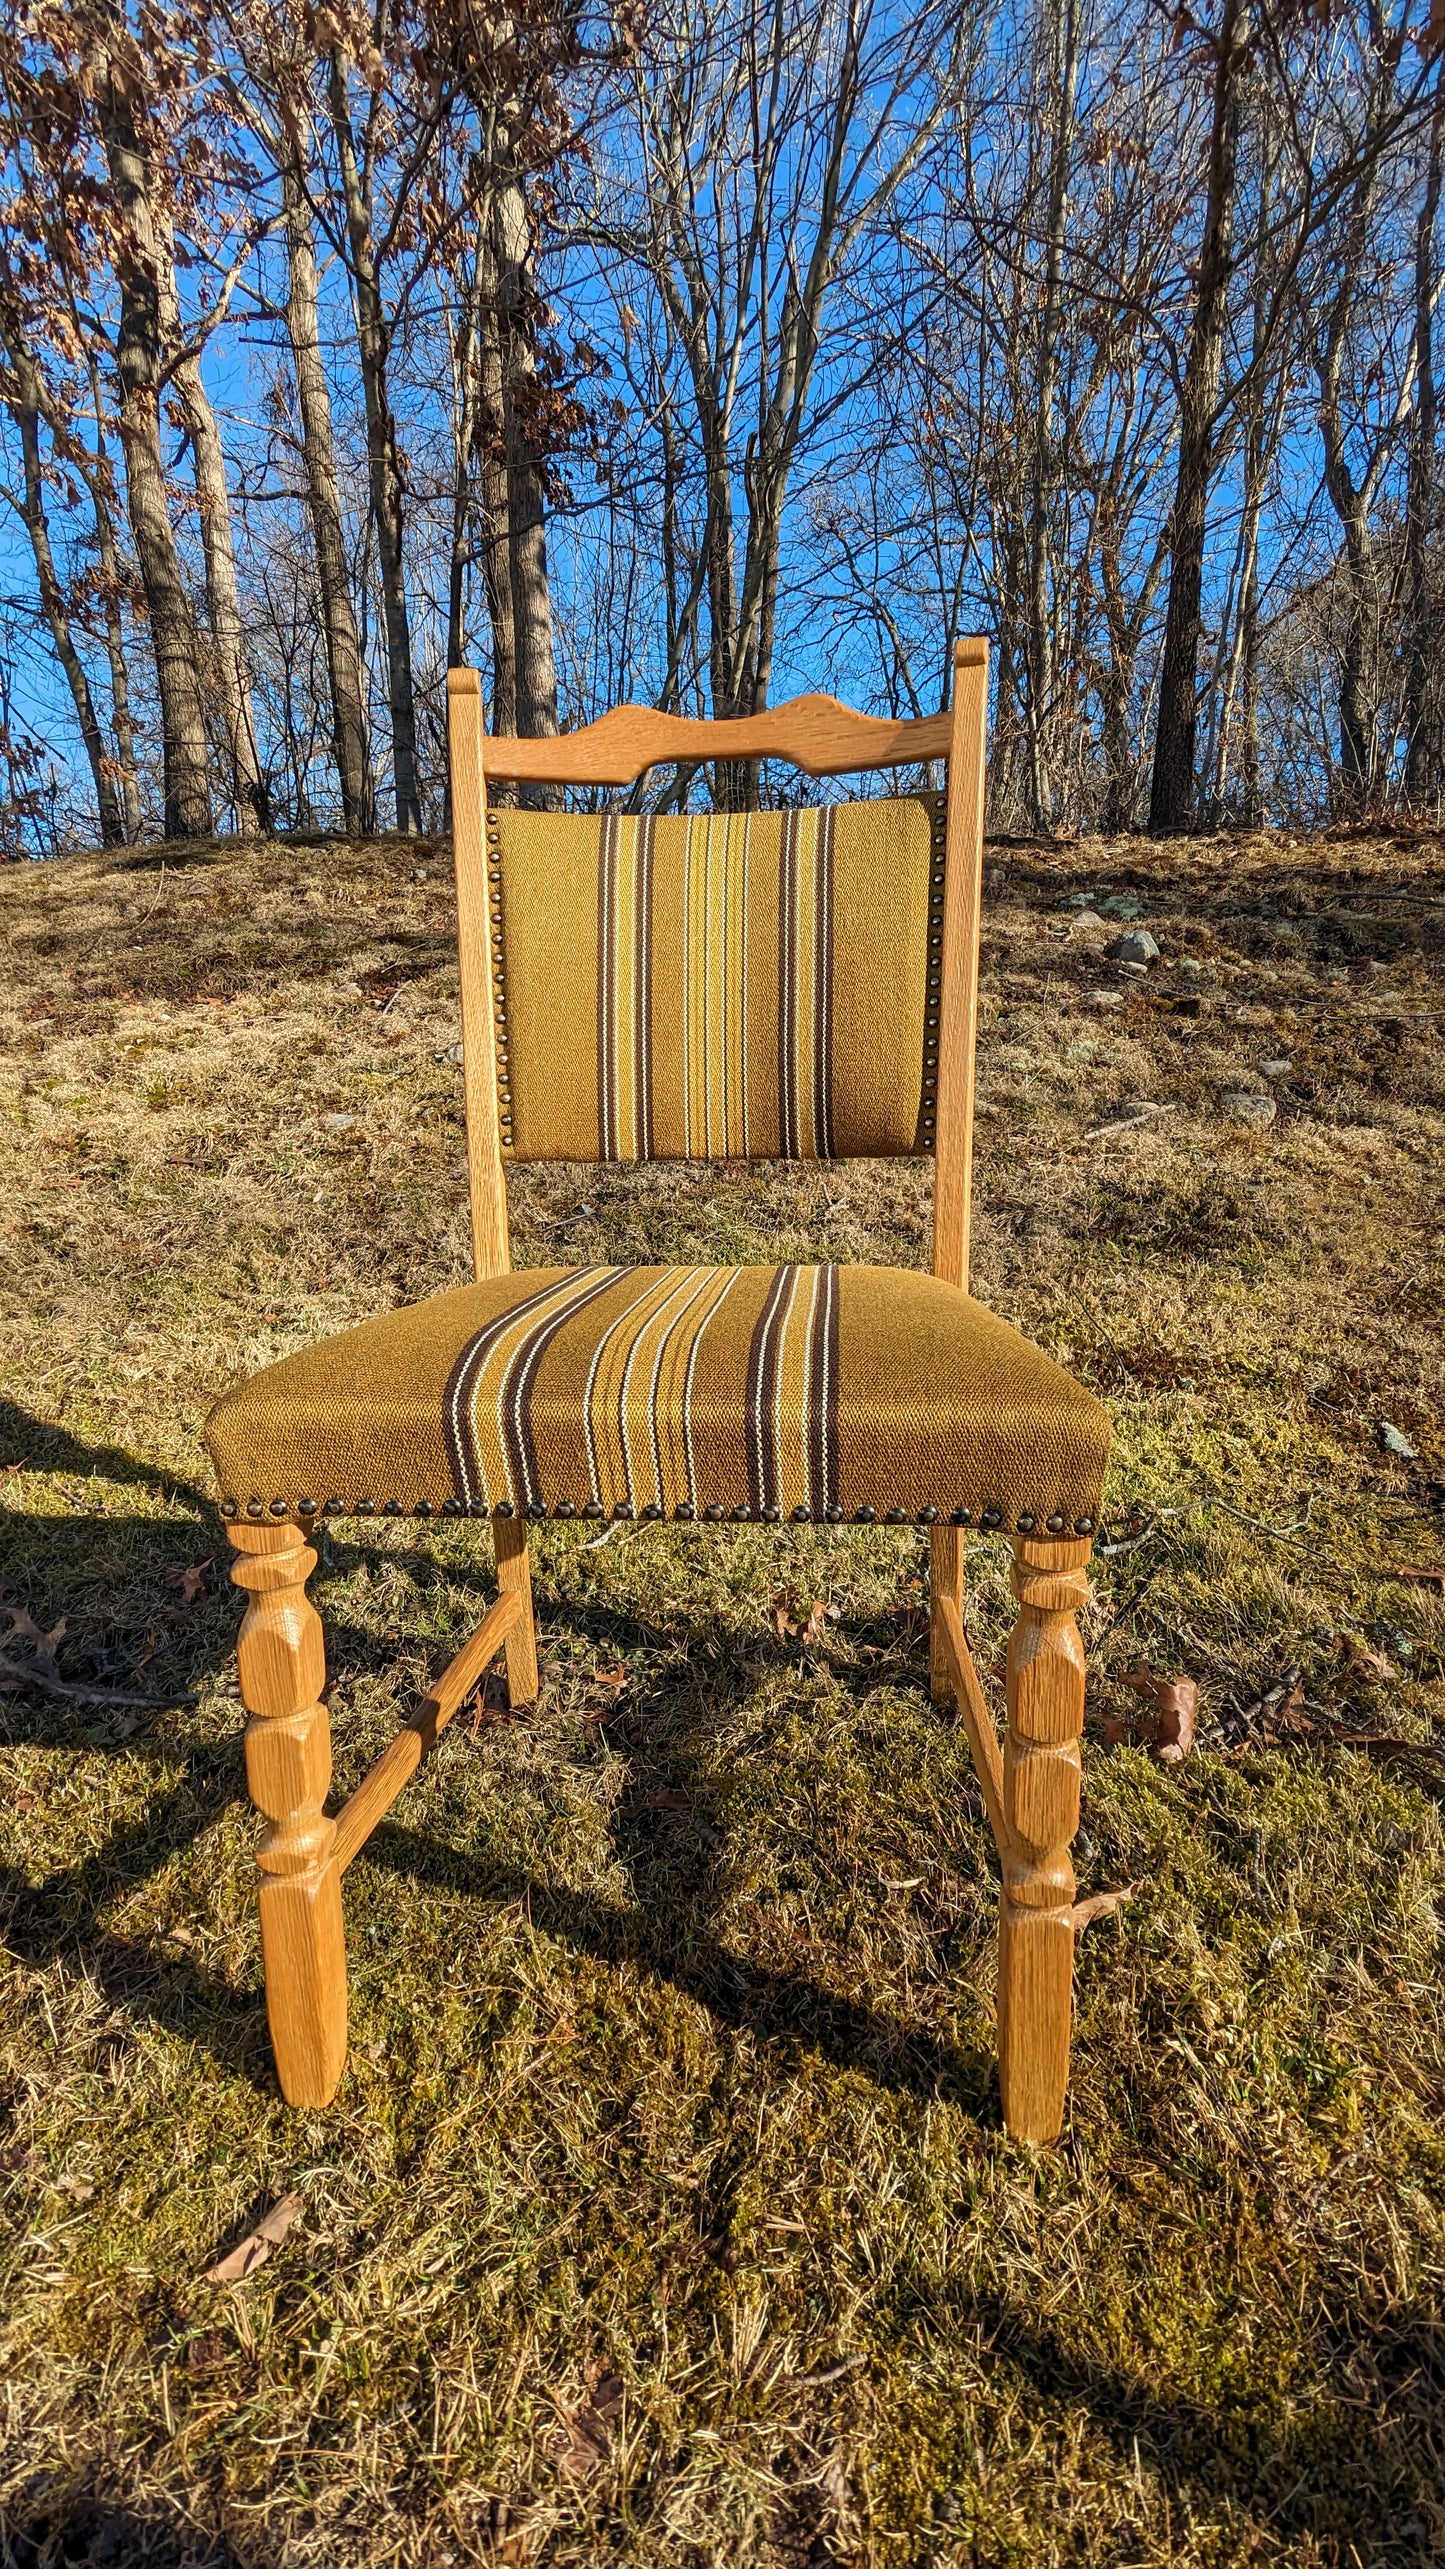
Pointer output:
x,y
702,347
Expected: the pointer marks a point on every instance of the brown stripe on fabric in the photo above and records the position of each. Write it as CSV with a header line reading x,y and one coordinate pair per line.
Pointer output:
x,y
514,1394
642,991
458,1412
788,987
822,1394
823,989
762,1388
607,989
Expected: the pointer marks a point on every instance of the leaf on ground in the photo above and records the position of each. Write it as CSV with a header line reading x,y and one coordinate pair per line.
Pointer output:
x,y
792,1623
1102,1904
1361,1661
256,2247
1174,1703
589,2430
666,1798
1418,1578
191,1581
1386,1744
43,1644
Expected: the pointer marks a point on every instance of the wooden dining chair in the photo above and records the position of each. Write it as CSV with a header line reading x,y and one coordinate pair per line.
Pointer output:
x,y
742,985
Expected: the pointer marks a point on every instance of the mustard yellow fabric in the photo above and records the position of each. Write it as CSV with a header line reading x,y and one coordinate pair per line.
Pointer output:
x,y
748,1392
745,985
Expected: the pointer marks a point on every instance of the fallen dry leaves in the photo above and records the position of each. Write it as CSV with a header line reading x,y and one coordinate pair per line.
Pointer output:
x,y
792,1623
1173,1706
1102,1904
256,2247
588,2430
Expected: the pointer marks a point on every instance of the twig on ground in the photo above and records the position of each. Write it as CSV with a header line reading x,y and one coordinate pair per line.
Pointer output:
x,y
89,1694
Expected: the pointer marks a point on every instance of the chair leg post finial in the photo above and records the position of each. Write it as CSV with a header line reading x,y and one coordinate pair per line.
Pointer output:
x,y
1042,1776
281,1654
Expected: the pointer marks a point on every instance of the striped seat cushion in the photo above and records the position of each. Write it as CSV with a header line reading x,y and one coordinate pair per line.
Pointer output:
x,y
814,1393
719,985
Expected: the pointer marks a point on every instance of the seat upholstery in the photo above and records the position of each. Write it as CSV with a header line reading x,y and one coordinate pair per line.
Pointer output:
x,y
811,1392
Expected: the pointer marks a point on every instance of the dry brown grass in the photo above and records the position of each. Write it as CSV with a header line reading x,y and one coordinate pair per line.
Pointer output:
x,y
664,2215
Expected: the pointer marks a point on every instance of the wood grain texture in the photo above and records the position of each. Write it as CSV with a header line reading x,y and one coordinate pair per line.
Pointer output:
x,y
945,1579
397,1763
282,1664
1041,1779
964,1690
815,733
958,988
491,1251
514,1578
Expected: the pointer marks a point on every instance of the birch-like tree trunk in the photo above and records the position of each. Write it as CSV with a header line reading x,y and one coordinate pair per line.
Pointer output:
x,y
345,675
139,363
383,458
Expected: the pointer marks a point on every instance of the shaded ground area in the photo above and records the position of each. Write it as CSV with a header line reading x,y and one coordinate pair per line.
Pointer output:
x,y
664,2214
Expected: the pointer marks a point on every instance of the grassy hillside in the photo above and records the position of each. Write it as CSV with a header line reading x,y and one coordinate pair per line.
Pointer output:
x,y
664,2215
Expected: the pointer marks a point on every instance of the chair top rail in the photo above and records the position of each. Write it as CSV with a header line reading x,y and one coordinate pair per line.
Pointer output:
x,y
815,733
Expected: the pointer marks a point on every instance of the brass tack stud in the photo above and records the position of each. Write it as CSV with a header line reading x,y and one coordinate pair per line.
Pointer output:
x,y
1083,1525
991,1517
895,1516
623,1512
228,1507
834,1514
1058,1524
802,1516
867,1516
771,1516
928,1516
365,1507
1026,1524
686,1512
593,1508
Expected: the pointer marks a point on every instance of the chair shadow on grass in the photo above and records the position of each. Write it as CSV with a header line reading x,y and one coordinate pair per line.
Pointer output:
x,y
665,1938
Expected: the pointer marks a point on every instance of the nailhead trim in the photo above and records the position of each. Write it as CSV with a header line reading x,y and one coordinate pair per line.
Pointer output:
x,y
933,983
991,1519
499,978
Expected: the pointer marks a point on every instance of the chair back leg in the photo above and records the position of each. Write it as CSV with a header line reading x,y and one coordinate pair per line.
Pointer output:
x,y
1042,1777
282,1659
514,1571
945,1579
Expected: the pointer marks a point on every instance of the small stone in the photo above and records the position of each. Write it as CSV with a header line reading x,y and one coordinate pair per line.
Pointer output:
x,y
421,875
1279,1068
1121,905
1135,946
1249,1106
449,1052
1091,919
1075,901
1105,998
1395,1443
1188,964
338,1123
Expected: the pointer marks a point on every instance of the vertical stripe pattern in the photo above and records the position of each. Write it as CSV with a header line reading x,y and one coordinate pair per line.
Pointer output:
x,y
730,1054
590,1393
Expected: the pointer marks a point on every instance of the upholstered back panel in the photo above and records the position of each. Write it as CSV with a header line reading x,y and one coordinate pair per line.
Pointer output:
x,y
749,985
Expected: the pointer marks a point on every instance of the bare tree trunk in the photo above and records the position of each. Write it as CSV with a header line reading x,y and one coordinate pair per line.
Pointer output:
x,y
387,496
230,677
323,500
27,405
536,667
98,482
1171,800
1063,73
1423,695
138,363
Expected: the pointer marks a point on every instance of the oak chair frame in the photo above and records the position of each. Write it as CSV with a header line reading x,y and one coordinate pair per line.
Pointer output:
x,y
1030,1786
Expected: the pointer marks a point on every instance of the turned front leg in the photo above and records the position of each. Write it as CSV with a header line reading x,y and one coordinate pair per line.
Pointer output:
x,y
282,1659
1042,1776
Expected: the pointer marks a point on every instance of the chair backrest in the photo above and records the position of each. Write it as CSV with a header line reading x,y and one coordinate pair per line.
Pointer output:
x,y
797,985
